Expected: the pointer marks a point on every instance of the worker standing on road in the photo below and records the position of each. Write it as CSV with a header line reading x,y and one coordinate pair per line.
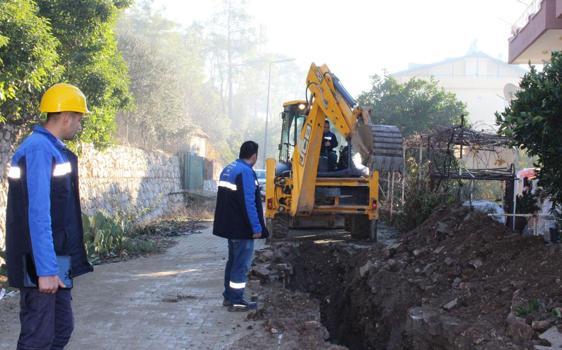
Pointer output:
x,y
44,237
239,218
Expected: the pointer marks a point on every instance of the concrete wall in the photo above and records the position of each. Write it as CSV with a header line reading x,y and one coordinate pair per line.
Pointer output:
x,y
117,180
537,33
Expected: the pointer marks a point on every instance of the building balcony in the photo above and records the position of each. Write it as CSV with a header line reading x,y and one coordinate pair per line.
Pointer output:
x,y
537,33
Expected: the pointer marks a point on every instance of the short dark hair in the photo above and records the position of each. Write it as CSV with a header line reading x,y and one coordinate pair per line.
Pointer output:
x,y
326,121
52,115
248,149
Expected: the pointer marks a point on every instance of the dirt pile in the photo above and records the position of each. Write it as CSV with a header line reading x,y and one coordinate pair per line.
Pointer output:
x,y
459,281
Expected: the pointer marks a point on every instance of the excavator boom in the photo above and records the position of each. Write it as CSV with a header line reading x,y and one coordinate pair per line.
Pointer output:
x,y
329,100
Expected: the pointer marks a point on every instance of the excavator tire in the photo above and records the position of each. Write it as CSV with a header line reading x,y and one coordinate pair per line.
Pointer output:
x,y
278,226
362,227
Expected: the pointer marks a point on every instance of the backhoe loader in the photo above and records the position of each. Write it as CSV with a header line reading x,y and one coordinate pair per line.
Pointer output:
x,y
302,184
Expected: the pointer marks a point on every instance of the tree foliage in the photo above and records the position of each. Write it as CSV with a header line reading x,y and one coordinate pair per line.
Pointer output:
x,y
48,41
236,68
156,56
173,99
91,58
232,46
29,61
415,106
534,121
210,77
423,198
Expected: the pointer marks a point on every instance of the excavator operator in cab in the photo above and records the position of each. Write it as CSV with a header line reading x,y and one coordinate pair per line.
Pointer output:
x,y
329,142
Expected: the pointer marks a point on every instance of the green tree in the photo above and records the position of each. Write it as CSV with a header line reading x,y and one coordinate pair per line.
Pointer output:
x,y
28,60
232,45
167,69
533,120
181,82
154,52
91,59
238,68
415,106
48,41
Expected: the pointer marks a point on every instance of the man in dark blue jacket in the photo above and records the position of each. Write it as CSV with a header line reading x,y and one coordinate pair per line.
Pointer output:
x,y
44,224
239,218
329,142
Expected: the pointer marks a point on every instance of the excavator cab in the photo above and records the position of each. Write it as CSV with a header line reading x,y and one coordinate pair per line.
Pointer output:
x,y
293,116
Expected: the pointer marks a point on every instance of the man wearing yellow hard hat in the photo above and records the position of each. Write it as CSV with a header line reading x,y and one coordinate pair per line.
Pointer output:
x,y
44,237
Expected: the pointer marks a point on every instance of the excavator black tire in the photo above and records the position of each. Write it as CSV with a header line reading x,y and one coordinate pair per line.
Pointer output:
x,y
278,226
362,228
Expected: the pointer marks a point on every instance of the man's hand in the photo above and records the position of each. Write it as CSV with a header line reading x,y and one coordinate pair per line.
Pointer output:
x,y
257,235
50,284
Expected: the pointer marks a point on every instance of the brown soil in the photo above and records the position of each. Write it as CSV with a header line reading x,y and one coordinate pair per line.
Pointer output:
x,y
291,322
449,284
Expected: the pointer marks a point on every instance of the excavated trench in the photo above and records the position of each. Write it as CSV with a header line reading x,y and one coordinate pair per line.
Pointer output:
x,y
452,284
333,272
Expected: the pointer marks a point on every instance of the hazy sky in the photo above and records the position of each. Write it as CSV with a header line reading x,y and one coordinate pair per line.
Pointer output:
x,y
360,38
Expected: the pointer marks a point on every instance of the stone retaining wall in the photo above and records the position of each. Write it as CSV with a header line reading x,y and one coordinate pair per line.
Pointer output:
x,y
118,180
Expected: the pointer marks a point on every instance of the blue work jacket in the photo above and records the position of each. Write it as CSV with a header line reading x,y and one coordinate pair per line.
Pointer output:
x,y
43,217
239,212
331,139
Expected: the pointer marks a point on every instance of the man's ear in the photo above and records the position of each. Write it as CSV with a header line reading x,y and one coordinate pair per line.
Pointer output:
x,y
65,117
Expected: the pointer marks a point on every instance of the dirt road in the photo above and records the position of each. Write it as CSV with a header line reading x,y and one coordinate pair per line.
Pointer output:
x,y
168,301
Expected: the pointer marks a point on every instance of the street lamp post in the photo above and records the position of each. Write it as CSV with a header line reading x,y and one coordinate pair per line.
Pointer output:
x,y
267,105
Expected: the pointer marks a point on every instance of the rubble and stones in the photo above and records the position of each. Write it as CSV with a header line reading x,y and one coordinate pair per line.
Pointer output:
x,y
459,281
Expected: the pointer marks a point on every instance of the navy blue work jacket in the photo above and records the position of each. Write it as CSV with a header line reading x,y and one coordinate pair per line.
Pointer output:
x,y
239,212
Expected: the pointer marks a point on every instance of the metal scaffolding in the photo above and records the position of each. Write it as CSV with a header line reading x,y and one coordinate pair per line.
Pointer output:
x,y
460,153
448,147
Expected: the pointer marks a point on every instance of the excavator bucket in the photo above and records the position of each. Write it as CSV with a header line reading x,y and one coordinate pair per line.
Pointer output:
x,y
387,155
362,142
380,146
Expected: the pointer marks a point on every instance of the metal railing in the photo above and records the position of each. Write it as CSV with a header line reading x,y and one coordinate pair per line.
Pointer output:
x,y
531,10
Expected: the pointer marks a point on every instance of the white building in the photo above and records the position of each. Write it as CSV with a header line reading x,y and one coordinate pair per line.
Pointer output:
x,y
479,80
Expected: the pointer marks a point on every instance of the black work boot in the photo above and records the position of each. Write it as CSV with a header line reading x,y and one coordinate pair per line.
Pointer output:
x,y
226,302
243,305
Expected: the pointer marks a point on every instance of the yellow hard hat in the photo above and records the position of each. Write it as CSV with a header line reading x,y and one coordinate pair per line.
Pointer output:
x,y
63,97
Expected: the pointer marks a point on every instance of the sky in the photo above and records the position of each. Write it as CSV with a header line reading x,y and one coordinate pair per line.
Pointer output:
x,y
358,39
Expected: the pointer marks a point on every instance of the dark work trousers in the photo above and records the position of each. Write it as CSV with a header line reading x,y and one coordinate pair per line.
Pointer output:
x,y
332,158
240,253
46,319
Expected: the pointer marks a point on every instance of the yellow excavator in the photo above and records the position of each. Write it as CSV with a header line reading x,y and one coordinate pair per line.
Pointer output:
x,y
303,186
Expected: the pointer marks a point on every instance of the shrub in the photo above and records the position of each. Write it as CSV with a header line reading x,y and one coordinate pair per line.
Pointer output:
x,y
422,198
